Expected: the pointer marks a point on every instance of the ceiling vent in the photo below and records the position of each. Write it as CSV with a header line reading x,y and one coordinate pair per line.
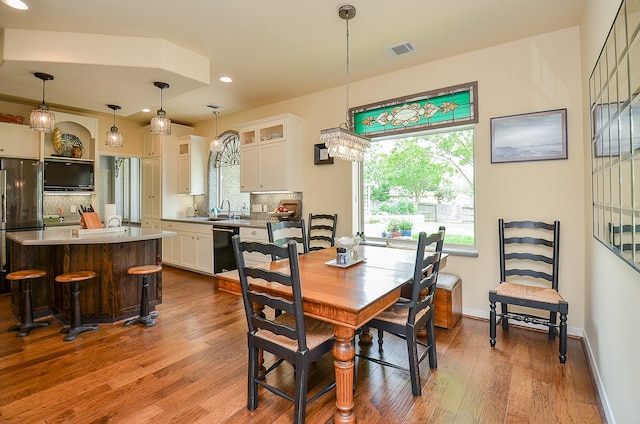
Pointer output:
x,y
400,49
212,106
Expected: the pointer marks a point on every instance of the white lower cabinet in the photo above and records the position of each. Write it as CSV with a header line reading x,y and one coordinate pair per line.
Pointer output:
x,y
254,234
155,224
191,249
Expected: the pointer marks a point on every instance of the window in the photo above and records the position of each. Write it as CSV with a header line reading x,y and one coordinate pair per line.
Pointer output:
x,y
418,174
418,182
224,175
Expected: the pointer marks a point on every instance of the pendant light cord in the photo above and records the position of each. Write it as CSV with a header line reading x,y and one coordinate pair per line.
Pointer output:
x,y
346,110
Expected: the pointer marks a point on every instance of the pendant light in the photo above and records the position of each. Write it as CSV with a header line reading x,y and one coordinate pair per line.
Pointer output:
x,y
161,124
216,145
342,142
42,119
114,137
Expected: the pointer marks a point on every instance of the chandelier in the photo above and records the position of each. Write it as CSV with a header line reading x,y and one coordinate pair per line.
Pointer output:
x,y
42,119
342,142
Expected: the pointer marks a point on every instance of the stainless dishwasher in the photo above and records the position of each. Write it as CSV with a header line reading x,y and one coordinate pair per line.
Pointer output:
x,y
223,257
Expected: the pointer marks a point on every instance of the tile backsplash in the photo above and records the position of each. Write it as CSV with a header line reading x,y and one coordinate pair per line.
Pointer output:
x,y
51,203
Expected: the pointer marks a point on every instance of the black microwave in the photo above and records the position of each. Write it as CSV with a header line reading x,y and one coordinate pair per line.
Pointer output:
x,y
66,175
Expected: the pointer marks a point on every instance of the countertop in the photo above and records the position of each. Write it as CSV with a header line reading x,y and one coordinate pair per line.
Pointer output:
x,y
63,235
240,222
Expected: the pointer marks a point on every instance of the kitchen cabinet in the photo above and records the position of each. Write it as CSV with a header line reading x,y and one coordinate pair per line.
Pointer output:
x,y
270,154
152,146
19,141
191,249
193,154
155,224
152,188
254,234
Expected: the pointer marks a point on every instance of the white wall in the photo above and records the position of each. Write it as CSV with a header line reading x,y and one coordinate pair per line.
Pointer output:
x,y
612,288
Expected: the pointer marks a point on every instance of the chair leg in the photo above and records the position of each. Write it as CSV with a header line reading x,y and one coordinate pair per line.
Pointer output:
x,y
76,321
252,395
505,321
553,318
563,338
492,324
414,366
145,317
431,340
380,339
302,378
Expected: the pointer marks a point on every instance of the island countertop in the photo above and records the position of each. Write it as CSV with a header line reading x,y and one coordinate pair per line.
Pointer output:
x,y
61,235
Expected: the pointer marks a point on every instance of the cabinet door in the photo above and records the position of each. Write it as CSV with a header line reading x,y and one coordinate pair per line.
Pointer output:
x,y
151,183
184,175
273,168
189,244
152,145
18,141
205,253
249,173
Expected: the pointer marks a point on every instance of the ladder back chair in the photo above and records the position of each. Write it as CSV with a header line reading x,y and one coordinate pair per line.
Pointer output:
x,y
529,278
322,231
290,336
408,315
281,232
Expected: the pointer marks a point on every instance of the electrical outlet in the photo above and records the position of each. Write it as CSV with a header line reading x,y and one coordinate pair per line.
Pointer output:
x,y
265,208
73,209
256,208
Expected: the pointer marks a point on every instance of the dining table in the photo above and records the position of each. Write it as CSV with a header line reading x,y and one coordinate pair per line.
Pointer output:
x,y
347,296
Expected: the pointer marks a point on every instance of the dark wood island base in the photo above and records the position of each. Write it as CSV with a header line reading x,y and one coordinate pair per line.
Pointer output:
x,y
113,295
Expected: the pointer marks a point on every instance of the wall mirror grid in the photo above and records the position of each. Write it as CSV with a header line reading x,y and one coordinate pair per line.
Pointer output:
x,y
614,94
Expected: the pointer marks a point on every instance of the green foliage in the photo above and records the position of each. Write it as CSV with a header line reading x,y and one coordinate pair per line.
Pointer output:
x,y
403,207
405,224
393,225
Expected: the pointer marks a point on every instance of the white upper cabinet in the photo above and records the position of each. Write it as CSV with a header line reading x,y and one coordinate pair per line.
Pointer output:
x,y
19,141
270,154
193,152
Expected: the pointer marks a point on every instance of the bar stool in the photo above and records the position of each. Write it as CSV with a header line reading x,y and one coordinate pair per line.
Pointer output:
x,y
76,322
145,317
24,278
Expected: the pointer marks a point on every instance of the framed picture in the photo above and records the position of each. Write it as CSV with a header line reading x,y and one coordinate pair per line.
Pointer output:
x,y
321,155
529,137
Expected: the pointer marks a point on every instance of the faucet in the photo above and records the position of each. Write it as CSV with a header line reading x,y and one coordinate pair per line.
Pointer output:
x,y
228,207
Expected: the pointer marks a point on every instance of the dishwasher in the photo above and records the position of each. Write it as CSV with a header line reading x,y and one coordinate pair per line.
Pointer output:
x,y
223,257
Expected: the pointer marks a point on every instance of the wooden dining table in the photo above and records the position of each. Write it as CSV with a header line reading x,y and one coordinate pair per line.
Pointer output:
x,y
346,297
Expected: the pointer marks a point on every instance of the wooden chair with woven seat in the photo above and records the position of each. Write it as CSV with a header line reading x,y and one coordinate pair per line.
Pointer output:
x,y
529,278
76,327
408,315
24,278
281,232
322,231
291,336
145,317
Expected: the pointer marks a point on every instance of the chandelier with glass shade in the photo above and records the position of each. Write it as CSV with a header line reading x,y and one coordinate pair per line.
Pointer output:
x,y
42,119
216,145
114,136
342,142
161,124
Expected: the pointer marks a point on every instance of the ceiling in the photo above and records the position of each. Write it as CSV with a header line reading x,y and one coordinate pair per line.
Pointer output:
x,y
274,50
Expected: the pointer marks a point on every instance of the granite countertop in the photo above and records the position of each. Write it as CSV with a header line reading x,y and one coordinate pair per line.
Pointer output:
x,y
64,235
239,222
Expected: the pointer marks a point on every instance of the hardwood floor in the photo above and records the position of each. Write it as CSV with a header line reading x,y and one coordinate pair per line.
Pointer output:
x,y
190,368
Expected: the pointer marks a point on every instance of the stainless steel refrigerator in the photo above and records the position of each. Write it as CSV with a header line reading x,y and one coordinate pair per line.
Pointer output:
x,y
21,202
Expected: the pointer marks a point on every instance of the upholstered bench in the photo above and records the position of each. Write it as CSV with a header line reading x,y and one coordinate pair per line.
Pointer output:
x,y
447,303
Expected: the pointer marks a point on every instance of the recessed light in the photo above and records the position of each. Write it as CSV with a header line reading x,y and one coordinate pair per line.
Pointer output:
x,y
146,109
16,4
226,79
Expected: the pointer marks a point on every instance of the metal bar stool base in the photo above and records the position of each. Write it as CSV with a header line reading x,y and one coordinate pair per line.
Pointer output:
x,y
24,329
72,332
147,320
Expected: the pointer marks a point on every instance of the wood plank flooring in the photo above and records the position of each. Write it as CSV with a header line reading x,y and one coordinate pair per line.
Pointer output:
x,y
191,368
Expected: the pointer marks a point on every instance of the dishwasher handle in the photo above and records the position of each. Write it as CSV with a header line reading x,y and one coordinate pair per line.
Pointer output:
x,y
223,230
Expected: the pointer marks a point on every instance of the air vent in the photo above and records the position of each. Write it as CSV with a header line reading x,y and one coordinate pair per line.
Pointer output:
x,y
212,106
400,49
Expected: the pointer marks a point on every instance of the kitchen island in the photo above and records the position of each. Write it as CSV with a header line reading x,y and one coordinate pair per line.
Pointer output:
x,y
113,295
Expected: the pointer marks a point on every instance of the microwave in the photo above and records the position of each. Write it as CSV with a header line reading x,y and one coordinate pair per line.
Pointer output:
x,y
66,175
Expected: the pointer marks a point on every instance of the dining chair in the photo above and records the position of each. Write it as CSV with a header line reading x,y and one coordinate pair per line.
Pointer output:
x,y
322,231
281,232
529,278
405,318
291,336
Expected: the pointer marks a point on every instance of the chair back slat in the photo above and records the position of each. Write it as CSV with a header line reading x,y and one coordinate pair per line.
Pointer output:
x,y
425,274
252,297
322,231
281,232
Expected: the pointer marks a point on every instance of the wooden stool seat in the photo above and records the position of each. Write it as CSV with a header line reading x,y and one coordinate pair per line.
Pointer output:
x,y
145,317
24,278
76,326
144,269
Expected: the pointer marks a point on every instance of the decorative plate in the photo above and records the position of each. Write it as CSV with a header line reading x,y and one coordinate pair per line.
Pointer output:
x,y
64,144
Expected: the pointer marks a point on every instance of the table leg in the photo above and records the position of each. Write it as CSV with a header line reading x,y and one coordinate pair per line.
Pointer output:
x,y
344,353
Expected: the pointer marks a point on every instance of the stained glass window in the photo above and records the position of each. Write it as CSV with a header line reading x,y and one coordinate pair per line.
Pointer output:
x,y
452,106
